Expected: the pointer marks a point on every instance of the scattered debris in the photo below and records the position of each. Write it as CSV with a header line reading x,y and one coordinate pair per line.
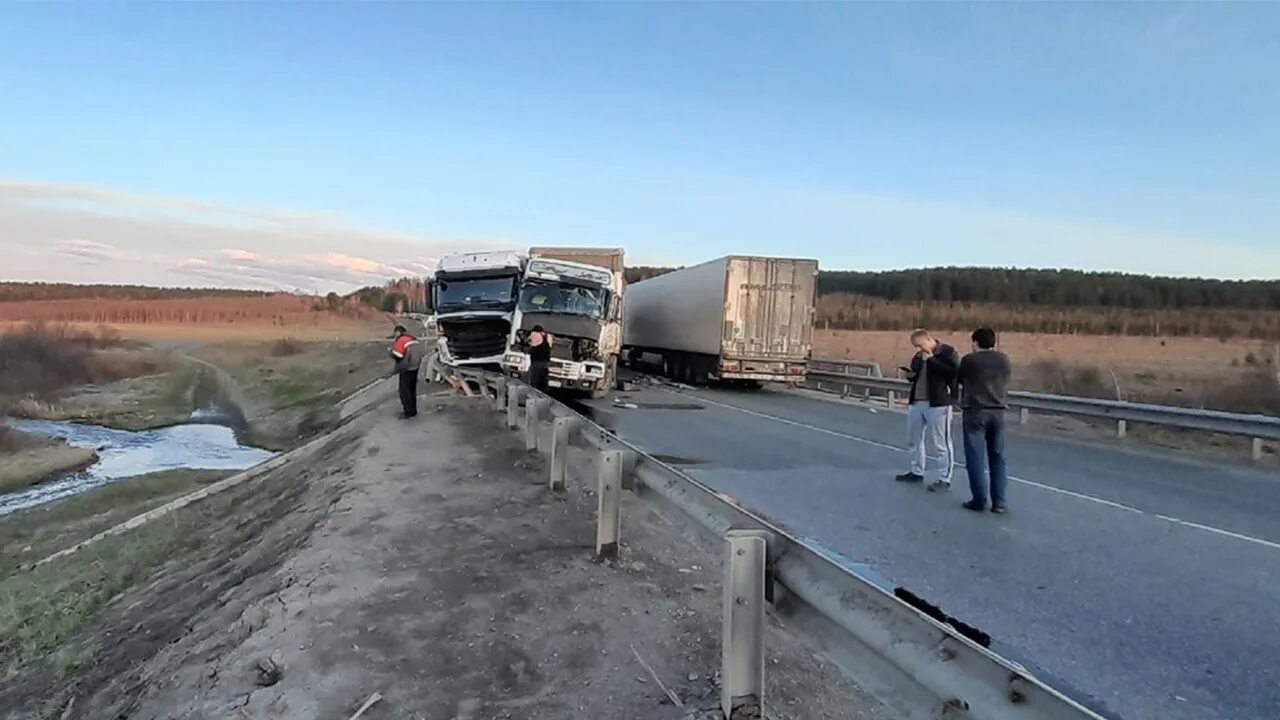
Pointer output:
x,y
675,699
373,700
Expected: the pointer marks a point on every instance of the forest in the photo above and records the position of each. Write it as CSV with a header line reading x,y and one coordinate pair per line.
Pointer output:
x,y
37,291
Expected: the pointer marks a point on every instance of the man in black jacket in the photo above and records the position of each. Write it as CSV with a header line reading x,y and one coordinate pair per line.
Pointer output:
x,y
984,375
933,391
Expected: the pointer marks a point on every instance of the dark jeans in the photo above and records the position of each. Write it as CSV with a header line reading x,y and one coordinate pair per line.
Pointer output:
x,y
983,450
538,373
409,392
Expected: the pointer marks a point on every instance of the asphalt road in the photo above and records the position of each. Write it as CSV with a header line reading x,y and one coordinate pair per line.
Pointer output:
x,y
1143,586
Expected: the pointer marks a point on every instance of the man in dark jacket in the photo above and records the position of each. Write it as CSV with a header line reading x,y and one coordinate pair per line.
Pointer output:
x,y
933,390
408,354
984,379
539,345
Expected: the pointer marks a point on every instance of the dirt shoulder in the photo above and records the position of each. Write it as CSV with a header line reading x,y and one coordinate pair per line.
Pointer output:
x,y
425,561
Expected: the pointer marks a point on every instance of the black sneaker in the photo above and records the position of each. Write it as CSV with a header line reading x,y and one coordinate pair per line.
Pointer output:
x,y
974,505
909,477
999,509
939,486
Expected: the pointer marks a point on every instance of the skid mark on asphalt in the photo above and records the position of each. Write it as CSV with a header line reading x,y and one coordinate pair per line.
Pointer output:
x,y
1024,481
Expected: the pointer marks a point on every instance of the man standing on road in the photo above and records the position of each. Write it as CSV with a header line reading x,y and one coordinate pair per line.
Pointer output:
x,y
539,342
984,379
933,388
408,353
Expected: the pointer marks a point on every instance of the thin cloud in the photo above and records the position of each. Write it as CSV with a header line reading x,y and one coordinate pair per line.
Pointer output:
x,y
129,238
87,250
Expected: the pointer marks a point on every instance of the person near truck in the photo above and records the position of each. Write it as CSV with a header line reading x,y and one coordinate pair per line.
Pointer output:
x,y
984,382
933,391
539,344
408,354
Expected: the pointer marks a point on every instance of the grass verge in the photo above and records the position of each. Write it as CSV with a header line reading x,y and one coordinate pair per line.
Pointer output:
x,y
30,535
41,609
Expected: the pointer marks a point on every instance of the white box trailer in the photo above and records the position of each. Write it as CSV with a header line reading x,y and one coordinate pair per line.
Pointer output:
x,y
737,318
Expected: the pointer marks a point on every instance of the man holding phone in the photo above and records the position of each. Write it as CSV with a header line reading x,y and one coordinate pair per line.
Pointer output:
x,y
932,374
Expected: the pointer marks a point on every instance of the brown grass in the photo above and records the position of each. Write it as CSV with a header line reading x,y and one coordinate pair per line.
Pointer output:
x,y
286,347
271,310
1194,372
27,460
860,313
41,360
333,329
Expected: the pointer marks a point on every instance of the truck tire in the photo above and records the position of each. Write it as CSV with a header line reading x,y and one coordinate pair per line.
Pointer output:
x,y
701,371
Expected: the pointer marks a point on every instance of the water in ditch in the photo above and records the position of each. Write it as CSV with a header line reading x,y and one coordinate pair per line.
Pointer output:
x,y
124,453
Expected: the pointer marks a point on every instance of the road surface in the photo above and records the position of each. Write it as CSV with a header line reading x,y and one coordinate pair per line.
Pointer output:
x,y
1143,586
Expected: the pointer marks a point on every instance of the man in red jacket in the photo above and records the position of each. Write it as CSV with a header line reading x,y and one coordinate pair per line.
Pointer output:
x,y
408,354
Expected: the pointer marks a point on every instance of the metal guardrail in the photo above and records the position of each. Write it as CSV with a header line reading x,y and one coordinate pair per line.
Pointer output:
x,y
1258,427
919,666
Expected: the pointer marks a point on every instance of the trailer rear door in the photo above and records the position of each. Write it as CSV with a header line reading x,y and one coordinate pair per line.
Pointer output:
x,y
769,308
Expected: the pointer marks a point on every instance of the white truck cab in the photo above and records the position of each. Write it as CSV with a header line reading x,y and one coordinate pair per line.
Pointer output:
x,y
575,294
473,297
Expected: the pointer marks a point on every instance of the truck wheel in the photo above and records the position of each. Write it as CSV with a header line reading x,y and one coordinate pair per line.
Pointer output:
x,y
701,374
684,369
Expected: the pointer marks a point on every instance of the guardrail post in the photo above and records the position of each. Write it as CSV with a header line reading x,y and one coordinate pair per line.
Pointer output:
x,y
561,430
500,394
1122,429
532,407
609,510
513,408
1022,416
892,398
1257,449
742,646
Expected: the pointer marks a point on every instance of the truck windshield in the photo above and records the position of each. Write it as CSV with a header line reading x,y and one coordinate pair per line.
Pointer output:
x,y
565,298
475,294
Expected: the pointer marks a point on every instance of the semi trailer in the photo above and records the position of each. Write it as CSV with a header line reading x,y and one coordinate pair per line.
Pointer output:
x,y
737,319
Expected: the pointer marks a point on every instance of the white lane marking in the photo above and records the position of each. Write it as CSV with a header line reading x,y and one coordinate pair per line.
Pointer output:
x,y
1219,531
1042,486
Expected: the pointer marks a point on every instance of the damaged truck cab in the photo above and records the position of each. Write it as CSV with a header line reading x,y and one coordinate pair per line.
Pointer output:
x,y
474,297
575,294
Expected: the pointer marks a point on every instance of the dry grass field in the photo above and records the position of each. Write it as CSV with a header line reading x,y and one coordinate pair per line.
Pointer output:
x,y
1199,372
331,328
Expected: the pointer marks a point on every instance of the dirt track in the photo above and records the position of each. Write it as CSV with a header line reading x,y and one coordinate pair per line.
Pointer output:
x,y
435,570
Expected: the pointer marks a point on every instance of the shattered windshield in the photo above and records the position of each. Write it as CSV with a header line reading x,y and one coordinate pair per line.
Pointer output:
x,y
562,298
475,294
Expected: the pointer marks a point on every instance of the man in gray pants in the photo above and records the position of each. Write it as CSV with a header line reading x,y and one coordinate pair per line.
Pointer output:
x,y
933,391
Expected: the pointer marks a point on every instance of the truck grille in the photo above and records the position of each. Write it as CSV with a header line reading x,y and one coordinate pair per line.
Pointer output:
x,y
476,338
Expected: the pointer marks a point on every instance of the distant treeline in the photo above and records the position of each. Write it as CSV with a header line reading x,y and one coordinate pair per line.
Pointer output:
x,y
1053,288
30,291
398,296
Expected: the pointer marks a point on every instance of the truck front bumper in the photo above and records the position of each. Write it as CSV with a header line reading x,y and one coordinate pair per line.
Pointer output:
x,y
560,373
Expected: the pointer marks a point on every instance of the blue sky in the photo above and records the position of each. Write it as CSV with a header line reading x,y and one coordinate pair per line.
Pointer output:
x,y
312,145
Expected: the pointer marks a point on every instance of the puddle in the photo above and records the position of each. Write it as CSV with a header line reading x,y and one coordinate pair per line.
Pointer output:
x,y
123,453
